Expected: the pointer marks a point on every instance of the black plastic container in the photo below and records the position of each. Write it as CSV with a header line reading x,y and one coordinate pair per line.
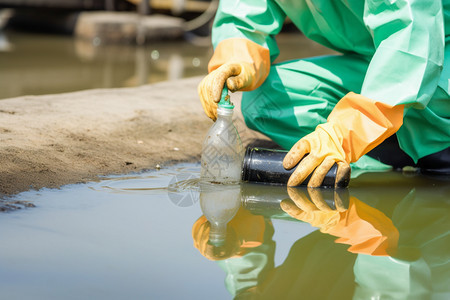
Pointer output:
x,y
266,166
265,199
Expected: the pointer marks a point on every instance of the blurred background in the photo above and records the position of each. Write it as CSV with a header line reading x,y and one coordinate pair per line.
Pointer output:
x,y
54,46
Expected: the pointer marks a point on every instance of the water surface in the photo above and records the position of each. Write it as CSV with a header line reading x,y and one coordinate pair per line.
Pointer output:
x,y
147,236
35,64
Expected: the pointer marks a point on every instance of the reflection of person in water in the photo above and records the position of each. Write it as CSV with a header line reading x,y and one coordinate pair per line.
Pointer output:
x,y
382,263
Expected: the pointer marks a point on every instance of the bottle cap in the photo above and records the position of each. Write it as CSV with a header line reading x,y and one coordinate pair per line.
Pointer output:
x,y
225,99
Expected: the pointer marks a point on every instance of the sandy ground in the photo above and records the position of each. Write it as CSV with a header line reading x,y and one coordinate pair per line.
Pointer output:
x,y
52,140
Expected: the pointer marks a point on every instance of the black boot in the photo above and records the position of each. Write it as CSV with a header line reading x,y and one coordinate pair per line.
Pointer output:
x,y
435,164
389,153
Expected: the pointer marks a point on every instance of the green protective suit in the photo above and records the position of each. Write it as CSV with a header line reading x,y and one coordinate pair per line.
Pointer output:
x,y
396,52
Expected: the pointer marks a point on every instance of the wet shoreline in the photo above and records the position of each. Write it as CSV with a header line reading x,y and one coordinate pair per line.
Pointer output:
x,y
52,140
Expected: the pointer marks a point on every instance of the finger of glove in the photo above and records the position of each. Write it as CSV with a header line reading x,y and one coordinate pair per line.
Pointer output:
x,y
296,153
291,209
342,174
237,82
209,107
338,201
301,199
220,77
320,172
317,198
315,217
304,168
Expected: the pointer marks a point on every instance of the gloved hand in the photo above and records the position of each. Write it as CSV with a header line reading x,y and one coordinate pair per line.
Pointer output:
x,y
244,232
238,76
316,212
366,229
355,126
241,63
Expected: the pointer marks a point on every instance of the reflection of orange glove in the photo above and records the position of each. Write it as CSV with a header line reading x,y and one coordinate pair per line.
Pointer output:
x,y
355,126
241,63
365,228
317,212
244,231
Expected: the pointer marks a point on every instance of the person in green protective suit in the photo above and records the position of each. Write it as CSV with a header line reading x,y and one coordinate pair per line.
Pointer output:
x,y
392,77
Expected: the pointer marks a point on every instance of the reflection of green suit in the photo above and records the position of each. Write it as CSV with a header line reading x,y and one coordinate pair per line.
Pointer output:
x,y
317,268
424,272
392,51
309,256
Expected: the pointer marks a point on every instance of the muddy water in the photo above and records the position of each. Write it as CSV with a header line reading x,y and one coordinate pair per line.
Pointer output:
x,y
45,64
147,236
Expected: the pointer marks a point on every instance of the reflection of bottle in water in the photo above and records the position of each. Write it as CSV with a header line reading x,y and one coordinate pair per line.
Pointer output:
x,y
219,204
222,152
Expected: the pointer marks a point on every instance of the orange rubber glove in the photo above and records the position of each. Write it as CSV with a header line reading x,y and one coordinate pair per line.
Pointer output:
x,y
365,228
244,232
316,212
241,63
355,126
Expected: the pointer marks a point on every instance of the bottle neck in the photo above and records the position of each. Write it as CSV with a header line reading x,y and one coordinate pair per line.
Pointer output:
x,y
224,112
218,233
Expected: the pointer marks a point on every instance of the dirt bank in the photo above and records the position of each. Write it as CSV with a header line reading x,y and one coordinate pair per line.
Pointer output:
x,y
52,140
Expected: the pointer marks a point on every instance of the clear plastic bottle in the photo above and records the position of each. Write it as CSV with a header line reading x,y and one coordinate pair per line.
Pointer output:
x,y
219,205
222,152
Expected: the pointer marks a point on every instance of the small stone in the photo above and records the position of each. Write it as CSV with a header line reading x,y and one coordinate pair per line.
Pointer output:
x,y
176,149
410,169
140,142
158,167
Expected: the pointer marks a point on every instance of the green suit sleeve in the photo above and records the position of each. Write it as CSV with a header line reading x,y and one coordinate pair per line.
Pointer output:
x,y
409,40
256,20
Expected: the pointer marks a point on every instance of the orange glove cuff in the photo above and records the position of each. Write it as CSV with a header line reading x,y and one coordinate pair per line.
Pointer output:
x,y
366,229
361,123
243,50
